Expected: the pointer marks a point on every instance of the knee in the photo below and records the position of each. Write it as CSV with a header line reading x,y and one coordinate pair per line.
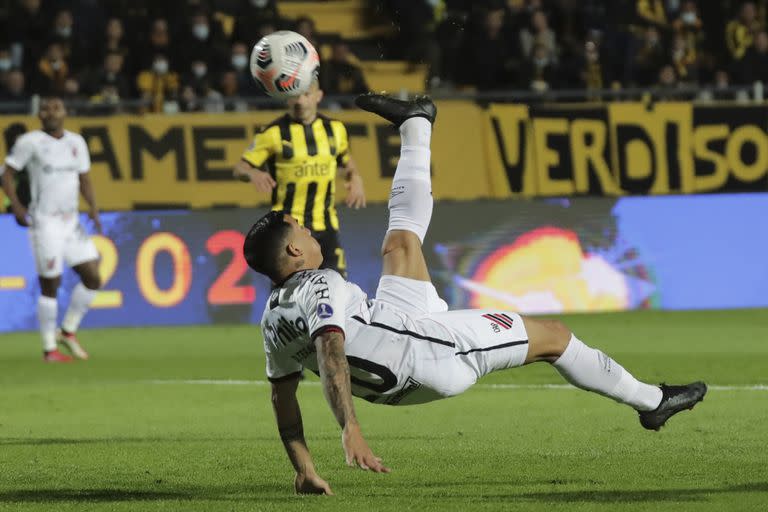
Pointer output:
x,y
561,336
400,240
92,281
49,287
547,339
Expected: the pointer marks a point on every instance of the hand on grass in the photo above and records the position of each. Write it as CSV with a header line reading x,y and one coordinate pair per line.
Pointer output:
x,y
358,453
311,484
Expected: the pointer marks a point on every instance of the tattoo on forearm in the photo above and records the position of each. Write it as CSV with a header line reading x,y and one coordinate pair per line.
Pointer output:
x,y
335,377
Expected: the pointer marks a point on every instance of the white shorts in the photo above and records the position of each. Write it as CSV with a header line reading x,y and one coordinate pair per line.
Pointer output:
x,y
435,353
59,239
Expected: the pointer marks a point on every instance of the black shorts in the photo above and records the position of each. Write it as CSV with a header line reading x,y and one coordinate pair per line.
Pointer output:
x,y
333,254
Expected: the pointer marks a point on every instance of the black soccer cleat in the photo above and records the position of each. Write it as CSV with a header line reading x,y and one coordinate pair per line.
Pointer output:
x,y
397,111
673,400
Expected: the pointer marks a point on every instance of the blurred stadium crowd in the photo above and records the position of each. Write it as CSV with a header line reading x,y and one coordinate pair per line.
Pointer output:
x,y
194,54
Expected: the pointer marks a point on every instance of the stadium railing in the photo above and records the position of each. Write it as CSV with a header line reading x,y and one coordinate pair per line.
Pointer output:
x,y
753,93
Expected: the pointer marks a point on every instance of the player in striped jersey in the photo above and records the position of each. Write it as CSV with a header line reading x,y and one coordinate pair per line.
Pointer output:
x,y
296,158
404,346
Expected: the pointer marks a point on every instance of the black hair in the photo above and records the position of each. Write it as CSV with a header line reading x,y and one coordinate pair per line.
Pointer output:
x,y
264,244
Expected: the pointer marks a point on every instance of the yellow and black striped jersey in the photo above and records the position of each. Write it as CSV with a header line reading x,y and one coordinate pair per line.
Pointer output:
x,y
303,160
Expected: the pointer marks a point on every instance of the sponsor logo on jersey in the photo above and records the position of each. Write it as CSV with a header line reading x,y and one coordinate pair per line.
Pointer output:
x,y
499,321
283,331
324,310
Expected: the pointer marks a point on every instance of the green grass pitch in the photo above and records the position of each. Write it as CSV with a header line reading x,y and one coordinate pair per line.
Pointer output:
x,y
128,431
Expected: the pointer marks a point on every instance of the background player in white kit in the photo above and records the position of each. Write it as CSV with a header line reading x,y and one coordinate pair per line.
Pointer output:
x,y
58,162
404,347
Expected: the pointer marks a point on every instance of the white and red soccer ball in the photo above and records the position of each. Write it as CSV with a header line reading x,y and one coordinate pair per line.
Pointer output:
x,y
284,64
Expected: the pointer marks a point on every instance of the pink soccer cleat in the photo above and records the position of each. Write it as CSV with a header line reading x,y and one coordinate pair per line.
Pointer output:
x,y
69,340
54,356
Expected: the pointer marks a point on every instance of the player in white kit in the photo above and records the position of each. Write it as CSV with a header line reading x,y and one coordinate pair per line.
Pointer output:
x,y
404,346
57,162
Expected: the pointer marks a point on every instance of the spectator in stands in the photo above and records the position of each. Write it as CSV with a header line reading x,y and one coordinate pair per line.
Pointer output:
x,y
648,58
188,101
690,25
341,74
203,41
489,52
71,89
539,33
254,13
158,84
115,42
159,42
667,84
64,34
6,63
198,76
306,27
416,23
541,72
593,74
52,72
740,32
12,91
754,65
239,60
109,83
653,13
721,90
28,31
683,59
230,93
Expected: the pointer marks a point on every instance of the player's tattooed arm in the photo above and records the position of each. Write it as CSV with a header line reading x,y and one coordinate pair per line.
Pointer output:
x,y
289,423
335,378
334,374
291,428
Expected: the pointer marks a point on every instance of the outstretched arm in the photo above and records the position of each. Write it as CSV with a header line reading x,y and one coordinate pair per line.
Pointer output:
x,y
291,428
335,378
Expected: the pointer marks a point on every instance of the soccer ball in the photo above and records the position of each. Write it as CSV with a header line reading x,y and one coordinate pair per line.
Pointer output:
x,y
284,64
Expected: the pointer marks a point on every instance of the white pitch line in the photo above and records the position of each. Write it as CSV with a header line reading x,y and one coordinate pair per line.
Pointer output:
x,y
215,382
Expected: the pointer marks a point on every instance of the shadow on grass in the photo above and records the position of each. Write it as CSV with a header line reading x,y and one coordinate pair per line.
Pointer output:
x,y
633,496
53,441
280,493
244,493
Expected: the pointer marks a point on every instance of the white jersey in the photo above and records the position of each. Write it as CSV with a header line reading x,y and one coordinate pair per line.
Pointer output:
x,y
54,166
403,347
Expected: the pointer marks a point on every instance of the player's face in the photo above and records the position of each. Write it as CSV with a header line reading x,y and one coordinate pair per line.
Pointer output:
x,y
52,114
304,108
301,238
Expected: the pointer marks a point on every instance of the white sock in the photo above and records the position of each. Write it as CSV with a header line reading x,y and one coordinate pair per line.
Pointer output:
x,y
78,306
410,203
590,369
47,308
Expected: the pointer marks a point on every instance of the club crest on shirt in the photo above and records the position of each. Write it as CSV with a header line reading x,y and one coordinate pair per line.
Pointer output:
x,y
324,310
